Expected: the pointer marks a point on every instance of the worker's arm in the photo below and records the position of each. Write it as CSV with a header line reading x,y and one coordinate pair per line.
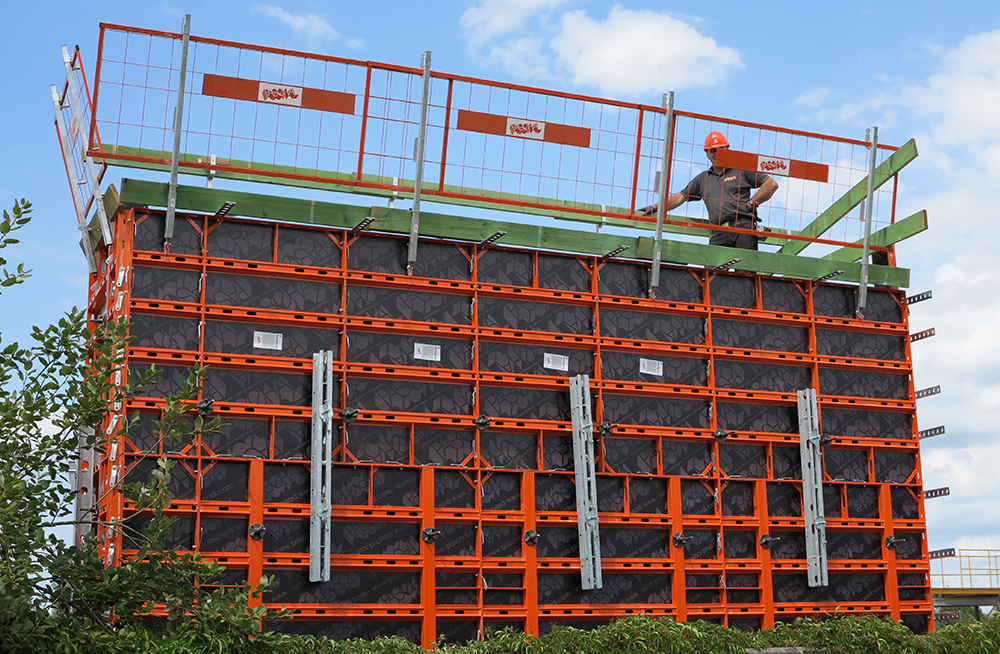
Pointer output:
x,y
674,200
764,193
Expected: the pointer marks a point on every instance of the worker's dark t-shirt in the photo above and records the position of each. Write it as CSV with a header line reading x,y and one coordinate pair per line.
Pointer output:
x,y
725,194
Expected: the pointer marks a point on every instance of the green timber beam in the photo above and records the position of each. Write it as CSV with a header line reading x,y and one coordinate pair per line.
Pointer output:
x,y
344,183
853,198
252,205
904,229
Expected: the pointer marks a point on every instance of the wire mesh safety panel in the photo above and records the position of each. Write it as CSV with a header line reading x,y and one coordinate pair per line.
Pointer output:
x,y
454,507
308,119
75,136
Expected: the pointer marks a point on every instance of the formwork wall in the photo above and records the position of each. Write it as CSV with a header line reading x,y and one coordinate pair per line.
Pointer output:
x,y
734,348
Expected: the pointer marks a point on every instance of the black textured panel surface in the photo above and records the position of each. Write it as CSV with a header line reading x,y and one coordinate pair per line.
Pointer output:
x,y
784,500
687,457
166,284
345,587
632,280
524,404
375,538
854,544
379,444
702,589
648,326
733,291
737,498
181,485
866,424
395,487
744,624
225,481
163,331
259,387
625,366
862,501
456,539
786,462
149,234
697,497
619,588
737,460
286,483
530,359
882,307
238,338
894,467
627,455
555,492
238,240
845,465
839,343
272,293
535,316
647,495
442,261
400,350
454,490
834,300
911,547
242,438
401,304
610,494
143,433
457,631
442,447
758,417
740,544
857,383
704,544
844,587
286,536
904,503
418,397
785,297
501,491
513,451
660,411
292,440
559,542
791,546
381,254
833,500
917,623
456,587
759,336
624,543
501,541
308,247
349,485
563,273
181,536
511,268
752,376
557,452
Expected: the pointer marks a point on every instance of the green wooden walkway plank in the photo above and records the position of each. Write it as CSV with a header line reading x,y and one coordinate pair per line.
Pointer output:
x,y
252,205
853,198
905,228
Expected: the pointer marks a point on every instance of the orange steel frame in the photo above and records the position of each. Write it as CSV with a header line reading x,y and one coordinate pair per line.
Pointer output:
x,y
645,112
110,299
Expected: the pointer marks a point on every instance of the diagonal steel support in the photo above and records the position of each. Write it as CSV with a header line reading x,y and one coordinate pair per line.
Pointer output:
x,y
95,183
411,252
661,188
319,476
168,230
812,487
81,216
588,530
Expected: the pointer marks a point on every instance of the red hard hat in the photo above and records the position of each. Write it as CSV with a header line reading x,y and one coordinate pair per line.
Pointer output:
x,y
716,140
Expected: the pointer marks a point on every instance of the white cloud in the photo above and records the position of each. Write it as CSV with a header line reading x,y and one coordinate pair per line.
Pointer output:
x,y
312,27
355,43
813,97
631,52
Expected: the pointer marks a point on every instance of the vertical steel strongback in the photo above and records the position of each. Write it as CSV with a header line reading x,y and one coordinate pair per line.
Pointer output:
x,y
319,479
812,487
586,483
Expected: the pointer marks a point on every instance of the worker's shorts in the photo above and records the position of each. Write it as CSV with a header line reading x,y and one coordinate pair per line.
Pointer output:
x,y
734,240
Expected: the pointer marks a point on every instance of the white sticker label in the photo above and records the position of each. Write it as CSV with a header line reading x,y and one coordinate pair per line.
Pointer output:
x,y
773,165
651,367
556,362
526,129
280,94
267,340
426,352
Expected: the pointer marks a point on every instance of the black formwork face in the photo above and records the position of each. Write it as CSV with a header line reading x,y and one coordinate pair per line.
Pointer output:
x,y
495,333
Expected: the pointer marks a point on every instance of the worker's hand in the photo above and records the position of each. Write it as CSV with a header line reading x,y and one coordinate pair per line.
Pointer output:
x,y
646,211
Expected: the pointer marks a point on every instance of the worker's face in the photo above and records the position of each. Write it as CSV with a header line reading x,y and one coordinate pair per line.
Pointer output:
x,y
712,153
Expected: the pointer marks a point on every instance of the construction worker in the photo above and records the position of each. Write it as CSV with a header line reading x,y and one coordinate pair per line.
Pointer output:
x,y
727,196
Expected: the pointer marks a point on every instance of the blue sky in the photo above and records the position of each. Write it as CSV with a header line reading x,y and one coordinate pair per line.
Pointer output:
x,y
923,70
